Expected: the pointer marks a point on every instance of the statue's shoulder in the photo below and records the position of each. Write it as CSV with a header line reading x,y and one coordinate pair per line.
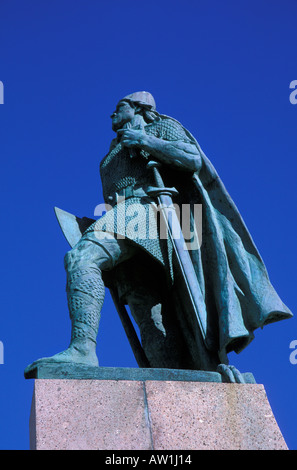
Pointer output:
x,y
166,128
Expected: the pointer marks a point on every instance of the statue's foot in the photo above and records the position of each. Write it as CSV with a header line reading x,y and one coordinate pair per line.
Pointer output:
x,y
78,353
230,374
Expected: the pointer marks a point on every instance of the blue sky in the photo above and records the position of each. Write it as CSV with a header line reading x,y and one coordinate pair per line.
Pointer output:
x,y
223,69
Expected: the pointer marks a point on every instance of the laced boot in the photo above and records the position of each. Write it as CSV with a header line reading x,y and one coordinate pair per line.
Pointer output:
x,y
85,294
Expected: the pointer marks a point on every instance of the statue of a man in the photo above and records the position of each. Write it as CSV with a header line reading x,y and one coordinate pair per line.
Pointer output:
x,y
236,293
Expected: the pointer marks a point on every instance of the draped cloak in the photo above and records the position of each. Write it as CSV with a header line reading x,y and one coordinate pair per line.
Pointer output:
x,y
237,293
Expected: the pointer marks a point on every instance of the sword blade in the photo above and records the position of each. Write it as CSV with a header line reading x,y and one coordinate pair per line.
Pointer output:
x,y
186,269
184,262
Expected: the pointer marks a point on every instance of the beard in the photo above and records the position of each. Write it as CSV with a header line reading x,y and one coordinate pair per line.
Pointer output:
x,y
118,124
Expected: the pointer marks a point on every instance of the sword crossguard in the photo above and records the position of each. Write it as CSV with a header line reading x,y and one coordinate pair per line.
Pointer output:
x,y
156,192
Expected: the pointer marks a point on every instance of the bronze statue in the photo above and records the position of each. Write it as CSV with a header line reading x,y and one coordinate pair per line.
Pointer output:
x,y
194,302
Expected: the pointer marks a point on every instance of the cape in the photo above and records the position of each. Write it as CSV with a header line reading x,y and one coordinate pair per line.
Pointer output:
x,y
238,294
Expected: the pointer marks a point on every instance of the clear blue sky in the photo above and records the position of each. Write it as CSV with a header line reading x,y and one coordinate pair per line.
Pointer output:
x,y
223,69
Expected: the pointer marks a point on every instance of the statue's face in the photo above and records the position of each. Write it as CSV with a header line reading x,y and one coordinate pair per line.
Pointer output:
x,y
124,113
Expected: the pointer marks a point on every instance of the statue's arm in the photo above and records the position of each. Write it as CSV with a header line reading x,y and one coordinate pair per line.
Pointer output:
x,y
180,153
183,155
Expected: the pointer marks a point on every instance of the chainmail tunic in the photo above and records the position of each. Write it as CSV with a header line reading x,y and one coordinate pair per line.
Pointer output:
x,y
135,218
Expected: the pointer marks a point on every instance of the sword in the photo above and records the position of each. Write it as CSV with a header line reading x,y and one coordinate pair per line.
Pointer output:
x,y
193,297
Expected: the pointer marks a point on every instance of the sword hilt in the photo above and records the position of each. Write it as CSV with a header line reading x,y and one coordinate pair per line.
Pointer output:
x,y
160,189
152,164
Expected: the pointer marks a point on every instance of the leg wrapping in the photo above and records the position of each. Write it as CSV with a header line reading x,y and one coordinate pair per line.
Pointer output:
x,y
85,294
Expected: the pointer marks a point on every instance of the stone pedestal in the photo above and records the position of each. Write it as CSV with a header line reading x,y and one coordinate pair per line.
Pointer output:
x,y
151,415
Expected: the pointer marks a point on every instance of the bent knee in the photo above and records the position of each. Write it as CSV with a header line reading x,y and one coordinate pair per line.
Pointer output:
x,y
78,257
87,254
71,259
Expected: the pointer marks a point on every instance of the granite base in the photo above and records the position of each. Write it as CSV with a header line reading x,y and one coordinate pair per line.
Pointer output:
x,y
151,415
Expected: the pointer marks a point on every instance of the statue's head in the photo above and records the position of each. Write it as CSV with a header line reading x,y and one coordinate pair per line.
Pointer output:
x,y
140,102
141,98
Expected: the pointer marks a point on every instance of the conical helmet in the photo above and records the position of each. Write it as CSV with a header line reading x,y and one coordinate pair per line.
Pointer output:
x,y
143,98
